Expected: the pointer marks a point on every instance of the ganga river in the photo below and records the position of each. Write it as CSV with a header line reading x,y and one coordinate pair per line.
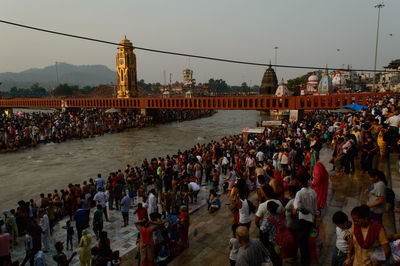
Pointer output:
x,y
27,173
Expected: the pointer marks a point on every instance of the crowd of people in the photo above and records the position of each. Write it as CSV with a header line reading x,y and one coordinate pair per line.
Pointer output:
x,y
293,186
282,166
24,130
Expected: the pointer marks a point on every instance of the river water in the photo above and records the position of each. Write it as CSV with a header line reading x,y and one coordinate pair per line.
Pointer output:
x,y
25,174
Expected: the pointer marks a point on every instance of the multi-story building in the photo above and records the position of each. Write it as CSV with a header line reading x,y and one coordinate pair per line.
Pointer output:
x,y
126,70
390,79
188,80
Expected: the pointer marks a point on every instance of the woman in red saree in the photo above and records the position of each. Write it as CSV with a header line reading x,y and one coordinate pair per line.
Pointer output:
x,y
183,228
320,184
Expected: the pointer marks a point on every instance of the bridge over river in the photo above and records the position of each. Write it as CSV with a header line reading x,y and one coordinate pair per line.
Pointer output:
x,y
316,102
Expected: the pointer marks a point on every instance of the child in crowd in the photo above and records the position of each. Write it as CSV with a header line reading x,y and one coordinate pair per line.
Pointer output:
x,y
70,234
343,236
234,247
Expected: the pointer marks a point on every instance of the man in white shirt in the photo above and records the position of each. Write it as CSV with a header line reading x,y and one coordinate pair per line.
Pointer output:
x,y
45,225
263,213
260,157
194,189
101,198
151,203
394,124
394,121
305,203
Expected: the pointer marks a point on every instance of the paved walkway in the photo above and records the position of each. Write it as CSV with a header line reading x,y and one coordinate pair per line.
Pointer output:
x,y
210,246
122,238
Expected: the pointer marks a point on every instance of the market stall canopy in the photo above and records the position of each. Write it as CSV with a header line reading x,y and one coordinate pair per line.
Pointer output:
x,y
253,130
357,107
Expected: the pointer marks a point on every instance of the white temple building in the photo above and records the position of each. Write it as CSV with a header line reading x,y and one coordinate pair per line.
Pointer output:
x,y
282,90
339,82
312,84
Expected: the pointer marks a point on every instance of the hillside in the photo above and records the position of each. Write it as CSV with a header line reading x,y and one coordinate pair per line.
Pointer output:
x,y
86,75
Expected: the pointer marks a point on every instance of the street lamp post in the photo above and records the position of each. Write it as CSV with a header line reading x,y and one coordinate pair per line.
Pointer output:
x,y
276,56
379,6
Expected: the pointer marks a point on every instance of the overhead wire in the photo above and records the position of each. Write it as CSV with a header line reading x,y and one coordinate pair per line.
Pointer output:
x,y
182,54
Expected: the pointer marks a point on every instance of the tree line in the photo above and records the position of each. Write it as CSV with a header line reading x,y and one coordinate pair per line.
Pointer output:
x,y
213,85
61,90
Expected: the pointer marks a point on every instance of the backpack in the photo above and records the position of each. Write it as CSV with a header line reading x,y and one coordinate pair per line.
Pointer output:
x,y
132,194
285,244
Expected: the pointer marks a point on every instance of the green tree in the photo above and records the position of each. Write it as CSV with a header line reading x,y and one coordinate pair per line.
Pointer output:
x,y
218,85
65,90
244,87
144,86
37,89
255,88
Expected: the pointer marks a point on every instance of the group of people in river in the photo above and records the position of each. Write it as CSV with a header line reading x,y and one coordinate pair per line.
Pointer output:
x,y
281,166
23,130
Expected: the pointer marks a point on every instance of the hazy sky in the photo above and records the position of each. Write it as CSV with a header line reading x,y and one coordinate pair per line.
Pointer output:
x,y
307,33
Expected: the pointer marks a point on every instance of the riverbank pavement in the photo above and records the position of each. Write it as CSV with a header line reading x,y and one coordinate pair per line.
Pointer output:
x,y
210,245
122,239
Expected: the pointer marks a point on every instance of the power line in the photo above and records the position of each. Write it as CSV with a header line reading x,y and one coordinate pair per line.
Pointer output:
x,y
180,54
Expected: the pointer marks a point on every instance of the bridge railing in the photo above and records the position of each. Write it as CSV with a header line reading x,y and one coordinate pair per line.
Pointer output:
x,y
332,101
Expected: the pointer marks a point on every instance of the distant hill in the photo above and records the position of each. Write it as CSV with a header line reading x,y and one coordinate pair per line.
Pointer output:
x,y
89,75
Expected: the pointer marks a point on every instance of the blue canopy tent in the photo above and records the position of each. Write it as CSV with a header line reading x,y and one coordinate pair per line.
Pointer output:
x,y
357,107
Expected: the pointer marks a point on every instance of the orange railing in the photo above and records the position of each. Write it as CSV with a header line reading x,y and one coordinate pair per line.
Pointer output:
x,y
232,102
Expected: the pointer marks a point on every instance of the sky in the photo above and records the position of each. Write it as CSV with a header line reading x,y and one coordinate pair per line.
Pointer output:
x,y
307,32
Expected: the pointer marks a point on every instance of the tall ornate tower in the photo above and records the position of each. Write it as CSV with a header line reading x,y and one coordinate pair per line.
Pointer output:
x,y
269,82
126,70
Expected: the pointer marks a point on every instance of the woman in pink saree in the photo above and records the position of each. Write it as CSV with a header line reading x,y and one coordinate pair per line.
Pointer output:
x,y
320,184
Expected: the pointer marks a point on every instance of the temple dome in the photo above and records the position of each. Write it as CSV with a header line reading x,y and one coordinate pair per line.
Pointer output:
x,y
313,79
282,90
125,43
269,82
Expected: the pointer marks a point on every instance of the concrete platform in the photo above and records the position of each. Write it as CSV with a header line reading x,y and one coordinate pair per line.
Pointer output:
x,y
211,245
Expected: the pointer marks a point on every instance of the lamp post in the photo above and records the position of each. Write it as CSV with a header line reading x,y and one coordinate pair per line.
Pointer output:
x,y
379,6
276,56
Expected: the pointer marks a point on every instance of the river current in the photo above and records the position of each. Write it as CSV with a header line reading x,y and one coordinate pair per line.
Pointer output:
x,y
26,173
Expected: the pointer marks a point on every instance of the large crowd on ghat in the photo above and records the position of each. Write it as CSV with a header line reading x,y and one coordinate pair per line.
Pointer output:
x,y
24,130
281,167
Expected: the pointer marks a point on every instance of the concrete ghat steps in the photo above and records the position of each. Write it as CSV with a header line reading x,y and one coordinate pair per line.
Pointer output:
x,y
122,238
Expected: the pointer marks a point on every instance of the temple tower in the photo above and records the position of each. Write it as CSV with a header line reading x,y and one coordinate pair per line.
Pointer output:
x,y
126,70
325,84
269,83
